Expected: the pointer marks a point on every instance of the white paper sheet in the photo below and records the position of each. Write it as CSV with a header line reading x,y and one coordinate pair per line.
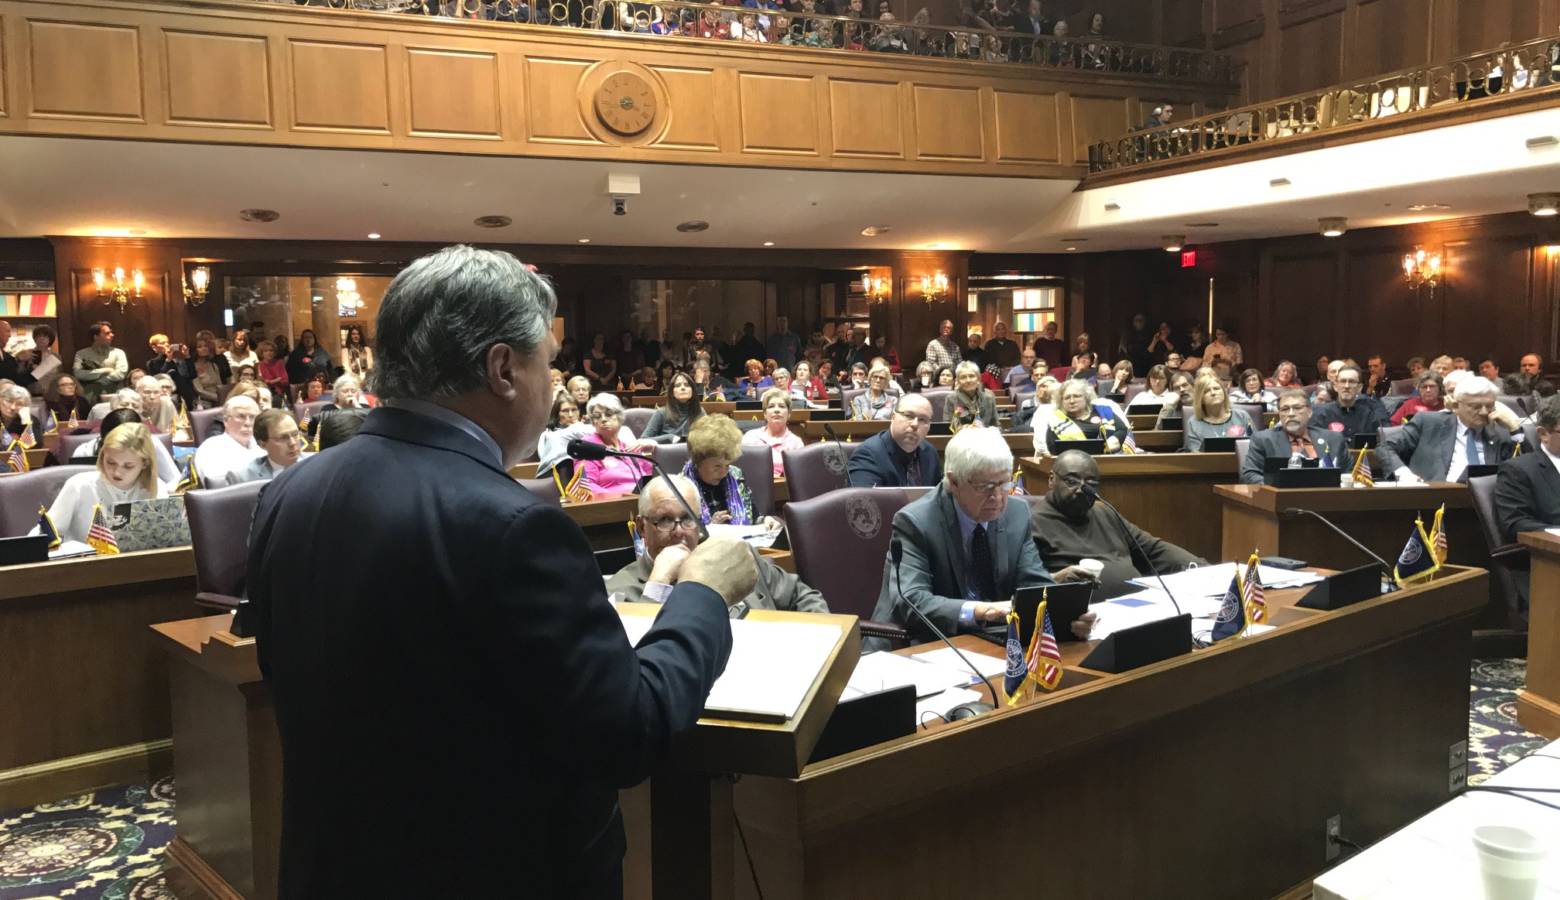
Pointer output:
x,y
1129,611
881,671
69,549
985,665
757,535
1205,581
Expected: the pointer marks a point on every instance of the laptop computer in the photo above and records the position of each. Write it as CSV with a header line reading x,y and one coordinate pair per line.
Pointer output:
x,y
150,524
1065,603
17,551
1218,445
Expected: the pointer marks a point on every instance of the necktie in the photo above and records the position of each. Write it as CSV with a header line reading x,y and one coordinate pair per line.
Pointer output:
x,y
913,472
1302,446
980,562
1474,457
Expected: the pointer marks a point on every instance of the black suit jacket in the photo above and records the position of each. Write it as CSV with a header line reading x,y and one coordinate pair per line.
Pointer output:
x,y
458,704
1273,443
876,463
1527,494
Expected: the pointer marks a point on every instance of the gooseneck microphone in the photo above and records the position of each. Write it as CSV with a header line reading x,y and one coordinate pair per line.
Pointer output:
x,y
1091,492
896,549
1295,512
581,449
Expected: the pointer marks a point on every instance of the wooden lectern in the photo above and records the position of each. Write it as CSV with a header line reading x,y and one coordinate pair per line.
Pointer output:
x,y
1538,703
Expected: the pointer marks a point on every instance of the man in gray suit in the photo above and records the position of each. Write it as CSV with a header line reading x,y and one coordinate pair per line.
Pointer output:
x,y
1291,434
277,434
670,536
1441,446
967,548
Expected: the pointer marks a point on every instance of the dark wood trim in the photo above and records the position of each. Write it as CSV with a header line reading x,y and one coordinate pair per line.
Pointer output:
x,y
46,781
190,877
1240,33
1296,12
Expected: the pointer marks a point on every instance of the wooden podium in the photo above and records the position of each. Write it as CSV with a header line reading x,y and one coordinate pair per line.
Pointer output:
x,y
227,765
1538,703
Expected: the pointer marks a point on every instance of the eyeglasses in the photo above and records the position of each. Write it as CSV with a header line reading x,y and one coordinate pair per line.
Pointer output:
x,y
991,487
914,419
1293,408
667,526
1077,481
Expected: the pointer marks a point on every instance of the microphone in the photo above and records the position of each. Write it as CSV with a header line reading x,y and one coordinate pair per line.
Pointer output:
x,y
1295,512
896,549
1089,491
839,449
581,449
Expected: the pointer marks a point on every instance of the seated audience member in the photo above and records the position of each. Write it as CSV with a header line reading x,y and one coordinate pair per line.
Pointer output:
x,y
858,376
944,377
643,379
1175,362
1285,375
614,475
1079,417
807,387
923,376
1442,365
346,394
1212,416
126,472
1022,376
1460,363
1157,393
900,455
969,403
669,536
64,399
1292,435
1427,398
876,403
579,388
1527,489
711,385
755,382
156,408
776,433
714,446
1440,446
968,585
46,363
1252,390
1069,526
341,427
235,448
1045,386
208,370
278,435
1120,377
1417,367
1181,387
671,420
553,445
272,371
1490,369
313,389
17,420
88,451
1351,412
1530,368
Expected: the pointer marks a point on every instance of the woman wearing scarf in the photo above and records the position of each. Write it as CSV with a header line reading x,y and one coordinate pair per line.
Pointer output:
x,y
969,402
714,445
877,401
1077,418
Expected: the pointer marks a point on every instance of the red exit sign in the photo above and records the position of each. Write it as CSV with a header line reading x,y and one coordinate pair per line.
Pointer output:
x,y
1188,259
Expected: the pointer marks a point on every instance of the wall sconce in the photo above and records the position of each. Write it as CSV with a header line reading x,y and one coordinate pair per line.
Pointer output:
x,y
1422,269
118,290
934,287
195,287
348,301
876,287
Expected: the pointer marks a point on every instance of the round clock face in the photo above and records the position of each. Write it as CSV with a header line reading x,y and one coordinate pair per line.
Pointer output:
x,y
625,103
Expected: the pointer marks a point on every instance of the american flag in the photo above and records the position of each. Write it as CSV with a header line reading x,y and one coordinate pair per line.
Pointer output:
x,y
1361,473
1438,535
1045,659
100,537
16,457
1253,597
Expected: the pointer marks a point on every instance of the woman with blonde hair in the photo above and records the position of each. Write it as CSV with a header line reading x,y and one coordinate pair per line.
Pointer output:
x,y
776,433
126,471
1212,415
714,446
970,402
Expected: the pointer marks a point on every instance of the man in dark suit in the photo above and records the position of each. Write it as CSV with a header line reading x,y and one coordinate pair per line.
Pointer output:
x,y
1352,412
1440,446
1291,434
445,660
967,546
1527,489
899,456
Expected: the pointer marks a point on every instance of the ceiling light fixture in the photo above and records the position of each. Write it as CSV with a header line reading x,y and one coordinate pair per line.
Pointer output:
x,y
1543,204
769,243
583,241
693,226
492,221
875,230
195,287
1332,226
1172,242
259,215
1428,207
373,235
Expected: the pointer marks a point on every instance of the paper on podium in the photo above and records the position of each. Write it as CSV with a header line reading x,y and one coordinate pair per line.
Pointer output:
x,y
771,668
880,671
1206,581
757,535
988,666
1129,611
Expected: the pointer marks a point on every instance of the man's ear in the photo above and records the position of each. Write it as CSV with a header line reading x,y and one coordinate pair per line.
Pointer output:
x,y
503,370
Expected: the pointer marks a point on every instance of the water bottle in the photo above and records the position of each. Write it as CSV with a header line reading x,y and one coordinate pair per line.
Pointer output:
x,y
1296,461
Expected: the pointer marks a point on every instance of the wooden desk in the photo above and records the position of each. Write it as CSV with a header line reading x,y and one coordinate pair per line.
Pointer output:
x,y
84,698
605,522
1021,443
1158,441
38,457
1169,495
523,470
1150,778
1538,704
812,432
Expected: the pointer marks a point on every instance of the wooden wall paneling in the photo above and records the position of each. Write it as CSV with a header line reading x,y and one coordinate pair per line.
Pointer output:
x,y
1487,297
1183,23
1096,118
1374,288
85,71
692,122
1310,45
552,110
217,80
5,56
452,93
763,132
949,123
1384,36
340,87
1027,127
1293,284
865,119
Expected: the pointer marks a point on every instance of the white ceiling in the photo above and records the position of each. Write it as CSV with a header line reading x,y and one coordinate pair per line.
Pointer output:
x,y
66,186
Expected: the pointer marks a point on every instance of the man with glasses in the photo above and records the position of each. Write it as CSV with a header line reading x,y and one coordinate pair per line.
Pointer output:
x,y
235,448
277,434
1070,527
1440,446
967,548
1293,434
670,536
1351,413
899,456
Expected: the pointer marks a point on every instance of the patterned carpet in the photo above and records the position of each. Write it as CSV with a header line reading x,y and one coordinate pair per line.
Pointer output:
x,y
108,845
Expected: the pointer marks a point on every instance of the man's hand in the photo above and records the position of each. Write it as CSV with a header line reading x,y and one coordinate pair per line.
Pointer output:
x,y
668,564
1074,573
992,612
1083,625
724,565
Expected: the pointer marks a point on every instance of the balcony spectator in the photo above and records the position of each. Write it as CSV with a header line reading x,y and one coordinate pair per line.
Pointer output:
x,y
1096,55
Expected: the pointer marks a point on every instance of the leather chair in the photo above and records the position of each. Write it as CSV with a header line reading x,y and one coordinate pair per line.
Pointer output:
x,y
205,423
1529,437
21,495
758,470
817,469
1505,559
1241,446
1132,390
545,489
301,410
840,541
68,445
938,398
673,457
166,440
1256,411
1521,404
219,532
636,418
848,396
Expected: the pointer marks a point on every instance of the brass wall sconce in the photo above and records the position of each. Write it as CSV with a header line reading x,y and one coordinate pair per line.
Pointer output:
x,y
117,287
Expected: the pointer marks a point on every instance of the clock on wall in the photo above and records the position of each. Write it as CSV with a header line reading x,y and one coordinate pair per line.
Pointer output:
x,y
625,103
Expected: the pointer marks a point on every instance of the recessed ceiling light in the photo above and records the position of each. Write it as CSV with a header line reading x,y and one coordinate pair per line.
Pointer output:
x,y
769,243
875,230
1071,249
1332,226
1542,143
1112,206
1278,182
259,215
1428,207
1543,204
1075,240
373,235
1202,224
583,241
1172,242
492,221
693,225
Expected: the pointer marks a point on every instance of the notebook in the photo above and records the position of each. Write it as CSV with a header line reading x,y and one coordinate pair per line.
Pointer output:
x,y
150,524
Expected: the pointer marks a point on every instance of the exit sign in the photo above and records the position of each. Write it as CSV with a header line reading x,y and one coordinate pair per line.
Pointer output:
x,y
1188,259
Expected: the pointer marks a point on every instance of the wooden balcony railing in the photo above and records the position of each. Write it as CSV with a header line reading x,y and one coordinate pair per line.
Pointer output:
x,y
1479,78
782,27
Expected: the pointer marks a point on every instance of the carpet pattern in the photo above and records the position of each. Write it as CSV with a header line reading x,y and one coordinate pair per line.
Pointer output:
x,y
108,845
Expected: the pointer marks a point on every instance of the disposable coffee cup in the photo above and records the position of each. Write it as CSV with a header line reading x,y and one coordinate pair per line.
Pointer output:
x,y
1509,861
1093,566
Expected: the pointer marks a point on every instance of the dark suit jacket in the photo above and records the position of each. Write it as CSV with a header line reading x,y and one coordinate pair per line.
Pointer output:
x,y
876,464
1273,443
452,673
1527,494
1426,443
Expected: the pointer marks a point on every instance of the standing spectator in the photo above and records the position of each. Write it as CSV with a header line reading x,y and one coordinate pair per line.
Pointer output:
x,y
357,356
46,364
1196,347
942,350
100,367
839,353
600,365
273,372
1135,342
1161,345
172,360
568,359
784,346
974,350
1223,349
1050,348
748,346
209,372
239,353
1000,349
628,355
885,350
307,360
1096,55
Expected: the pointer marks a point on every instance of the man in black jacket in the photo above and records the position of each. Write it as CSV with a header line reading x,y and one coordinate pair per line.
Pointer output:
x,y
899,456
1527,489
457,702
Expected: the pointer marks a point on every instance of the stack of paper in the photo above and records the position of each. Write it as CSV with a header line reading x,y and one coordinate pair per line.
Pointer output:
x,y
882,671
757,535
1206,581
988,666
